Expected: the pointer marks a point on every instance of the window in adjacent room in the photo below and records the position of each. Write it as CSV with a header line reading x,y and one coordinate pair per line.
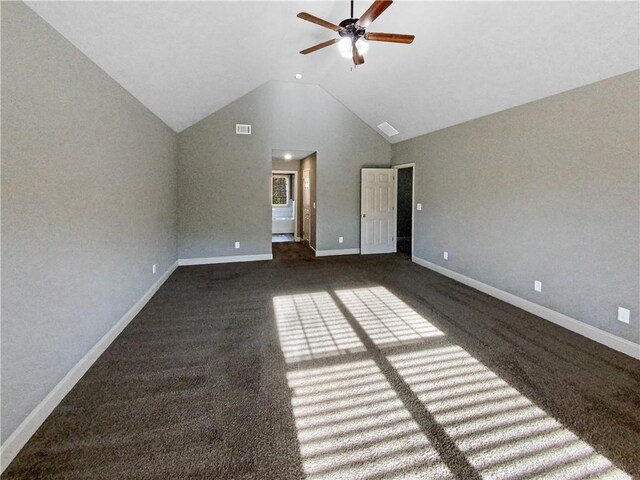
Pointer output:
x,y
280,190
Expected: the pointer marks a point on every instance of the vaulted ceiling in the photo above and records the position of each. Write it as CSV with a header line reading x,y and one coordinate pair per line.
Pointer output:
x,y
185,60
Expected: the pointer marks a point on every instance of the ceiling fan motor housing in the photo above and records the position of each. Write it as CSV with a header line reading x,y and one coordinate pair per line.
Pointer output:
x,y
351,29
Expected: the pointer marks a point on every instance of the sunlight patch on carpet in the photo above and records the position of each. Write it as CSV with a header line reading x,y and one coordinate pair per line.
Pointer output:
x,y
386,319
311,326
351,422
502,433
352,425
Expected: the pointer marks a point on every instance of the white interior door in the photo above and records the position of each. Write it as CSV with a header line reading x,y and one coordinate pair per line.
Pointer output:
x,y
377,216
306,206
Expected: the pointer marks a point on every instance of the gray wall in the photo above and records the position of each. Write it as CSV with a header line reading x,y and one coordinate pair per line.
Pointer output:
x,y
224,178
547,191
88,205
290,165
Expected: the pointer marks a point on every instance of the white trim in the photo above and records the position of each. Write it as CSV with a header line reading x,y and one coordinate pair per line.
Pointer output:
x,y
38,415
605,338
298,239
404,165
413,203
344,251
308,172
229,259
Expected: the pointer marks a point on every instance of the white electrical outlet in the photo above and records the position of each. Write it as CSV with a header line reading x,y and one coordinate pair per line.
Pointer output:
x,y
154,268
340,239
623,314
418,206
446,255
537,286
237,244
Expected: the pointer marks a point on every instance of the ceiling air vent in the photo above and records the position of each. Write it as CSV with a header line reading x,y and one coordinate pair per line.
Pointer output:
x,y
387,129
243,129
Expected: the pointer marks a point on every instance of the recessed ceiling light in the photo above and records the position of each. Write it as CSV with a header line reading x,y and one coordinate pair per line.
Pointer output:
x,y
298,76
288,156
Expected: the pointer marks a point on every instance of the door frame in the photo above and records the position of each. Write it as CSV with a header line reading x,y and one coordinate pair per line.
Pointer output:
x,y
311,206
295,194
413,203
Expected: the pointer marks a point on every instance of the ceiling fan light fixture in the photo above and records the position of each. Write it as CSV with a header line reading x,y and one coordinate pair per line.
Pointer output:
x,y
344,46
362,46
353,31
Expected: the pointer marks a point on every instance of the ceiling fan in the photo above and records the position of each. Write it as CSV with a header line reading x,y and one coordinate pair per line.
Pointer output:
x,y
353,30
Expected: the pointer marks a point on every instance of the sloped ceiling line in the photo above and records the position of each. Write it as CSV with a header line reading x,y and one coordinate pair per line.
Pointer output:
x,y
186,60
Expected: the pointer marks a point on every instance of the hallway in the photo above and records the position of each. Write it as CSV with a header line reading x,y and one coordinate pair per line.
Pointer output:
x,y
292,251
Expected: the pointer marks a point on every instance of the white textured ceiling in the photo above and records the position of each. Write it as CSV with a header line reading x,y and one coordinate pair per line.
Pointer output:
x,y
185,60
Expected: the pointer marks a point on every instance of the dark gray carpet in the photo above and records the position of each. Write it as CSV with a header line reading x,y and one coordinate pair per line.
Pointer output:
x,y
292,251
391,371
404,246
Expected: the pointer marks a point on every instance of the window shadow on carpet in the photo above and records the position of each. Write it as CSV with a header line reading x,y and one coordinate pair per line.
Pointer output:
x,y
378,392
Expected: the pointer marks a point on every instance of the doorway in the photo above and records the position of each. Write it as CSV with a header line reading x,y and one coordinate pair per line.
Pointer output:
x,y
404,208
293,203
284,197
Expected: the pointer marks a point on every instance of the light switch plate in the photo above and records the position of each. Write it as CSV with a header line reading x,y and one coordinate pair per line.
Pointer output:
x,y
446,255
623,314
537,286
418,206
237,245
340,239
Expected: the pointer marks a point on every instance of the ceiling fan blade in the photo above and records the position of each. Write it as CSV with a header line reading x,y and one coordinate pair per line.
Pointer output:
x,y
389,37
357,58
318,21
373,12
319,46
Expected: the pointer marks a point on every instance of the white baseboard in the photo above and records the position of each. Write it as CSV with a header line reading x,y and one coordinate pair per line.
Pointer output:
x,y
38,415
229,259
298,239
605,338
345,251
